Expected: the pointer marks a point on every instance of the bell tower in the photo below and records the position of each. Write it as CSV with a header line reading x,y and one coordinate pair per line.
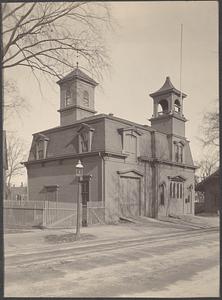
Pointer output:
x,y
168,110
76,97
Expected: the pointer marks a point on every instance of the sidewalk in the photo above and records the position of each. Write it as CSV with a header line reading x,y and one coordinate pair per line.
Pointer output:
x,y
35,240
197,221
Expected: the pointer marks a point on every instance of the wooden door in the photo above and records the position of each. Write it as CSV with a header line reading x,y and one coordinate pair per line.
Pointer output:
x,y
85,199
130,196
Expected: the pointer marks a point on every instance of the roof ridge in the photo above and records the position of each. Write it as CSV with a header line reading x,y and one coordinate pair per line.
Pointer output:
x,y
77,73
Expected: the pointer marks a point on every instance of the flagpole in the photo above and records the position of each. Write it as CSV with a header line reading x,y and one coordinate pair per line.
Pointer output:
x,y
181,55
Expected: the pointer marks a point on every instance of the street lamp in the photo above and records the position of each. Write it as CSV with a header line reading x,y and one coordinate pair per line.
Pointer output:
x,y
79,169
79,174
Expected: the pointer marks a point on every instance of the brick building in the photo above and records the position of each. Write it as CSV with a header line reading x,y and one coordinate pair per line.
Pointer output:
x,y
129,168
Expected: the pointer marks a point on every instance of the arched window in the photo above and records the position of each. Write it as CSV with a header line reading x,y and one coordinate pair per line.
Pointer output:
x,y
162,194
86,98
177,107
163,107
177,153
180,152
176,187
68,99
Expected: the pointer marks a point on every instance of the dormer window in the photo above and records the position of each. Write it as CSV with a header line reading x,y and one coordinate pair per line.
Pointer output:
x,y
85,135
68,99
86,98
40,149
130,141
178,151
84,142
41,146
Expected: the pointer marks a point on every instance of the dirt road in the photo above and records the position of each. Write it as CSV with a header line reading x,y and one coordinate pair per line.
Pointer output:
x,y
182,264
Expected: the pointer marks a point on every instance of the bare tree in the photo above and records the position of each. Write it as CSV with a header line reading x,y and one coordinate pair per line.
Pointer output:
x,y
16,154
47,36
209,139
13,102
207,165
210,129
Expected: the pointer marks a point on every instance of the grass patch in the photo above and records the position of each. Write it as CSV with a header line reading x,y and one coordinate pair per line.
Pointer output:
x,y
67,238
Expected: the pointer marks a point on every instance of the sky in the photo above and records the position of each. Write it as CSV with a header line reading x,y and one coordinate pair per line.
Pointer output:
x,y
144,48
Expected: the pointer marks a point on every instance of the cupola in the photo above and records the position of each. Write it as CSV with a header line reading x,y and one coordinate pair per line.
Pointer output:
x,y
76,97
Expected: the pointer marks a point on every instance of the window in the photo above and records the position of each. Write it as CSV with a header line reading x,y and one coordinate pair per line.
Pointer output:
x,y
176,187
177,106
162,194
85,134
68,99
40,151
84,142
178,151
176,190
187,200
163,107
181,191
131,145
51,193
171,189
86,98
130,141
85,192
41,144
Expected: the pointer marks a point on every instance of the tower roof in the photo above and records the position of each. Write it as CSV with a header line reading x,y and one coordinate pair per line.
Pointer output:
x,y
78,74
167,87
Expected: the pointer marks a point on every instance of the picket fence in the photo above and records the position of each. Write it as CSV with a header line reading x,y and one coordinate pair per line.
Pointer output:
x,y
48,214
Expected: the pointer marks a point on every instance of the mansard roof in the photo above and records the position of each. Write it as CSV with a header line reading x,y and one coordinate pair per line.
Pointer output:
x,y
166,88
78,74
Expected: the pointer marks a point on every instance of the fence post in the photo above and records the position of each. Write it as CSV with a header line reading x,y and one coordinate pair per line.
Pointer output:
x,y
44,214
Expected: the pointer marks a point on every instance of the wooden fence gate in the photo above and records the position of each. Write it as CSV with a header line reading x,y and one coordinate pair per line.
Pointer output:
x,y
49,214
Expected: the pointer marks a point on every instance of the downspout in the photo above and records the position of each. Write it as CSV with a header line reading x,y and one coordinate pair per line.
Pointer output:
x,y
103,177
145,190
154,176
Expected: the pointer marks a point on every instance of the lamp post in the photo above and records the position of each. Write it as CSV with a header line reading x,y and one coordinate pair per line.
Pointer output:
x,y
79,175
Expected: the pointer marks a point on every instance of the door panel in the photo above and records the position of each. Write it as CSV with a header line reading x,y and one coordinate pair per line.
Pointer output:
x,y
130,197
85,199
